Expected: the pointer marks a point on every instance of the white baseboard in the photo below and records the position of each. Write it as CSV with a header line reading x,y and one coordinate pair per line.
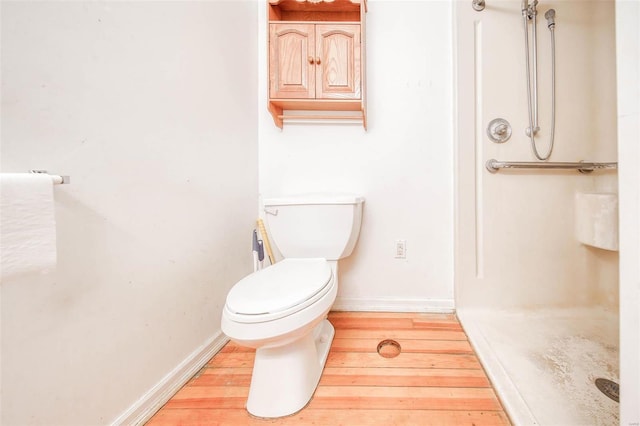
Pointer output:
x,y
394,305
157,396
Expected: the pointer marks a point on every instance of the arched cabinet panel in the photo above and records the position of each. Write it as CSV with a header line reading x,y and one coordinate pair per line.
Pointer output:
x,y
339,70
291,53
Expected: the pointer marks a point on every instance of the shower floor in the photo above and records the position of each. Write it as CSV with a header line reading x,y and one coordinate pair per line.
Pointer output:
x,y
543,363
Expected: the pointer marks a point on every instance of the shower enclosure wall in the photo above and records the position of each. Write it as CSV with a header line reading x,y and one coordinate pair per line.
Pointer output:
x,y
539,306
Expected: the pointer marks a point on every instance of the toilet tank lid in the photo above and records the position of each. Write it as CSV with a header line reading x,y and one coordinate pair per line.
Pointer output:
x,y
319,198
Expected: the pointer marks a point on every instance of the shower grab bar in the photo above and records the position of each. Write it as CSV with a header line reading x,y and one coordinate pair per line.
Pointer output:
x,y
57,179
494,165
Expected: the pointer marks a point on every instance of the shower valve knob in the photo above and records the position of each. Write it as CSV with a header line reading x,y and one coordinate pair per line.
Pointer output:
x,y
499,130
478,5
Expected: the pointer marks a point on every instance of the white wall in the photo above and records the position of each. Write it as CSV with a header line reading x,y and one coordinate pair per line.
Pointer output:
x,y
516,245
152,111
628,61
402,164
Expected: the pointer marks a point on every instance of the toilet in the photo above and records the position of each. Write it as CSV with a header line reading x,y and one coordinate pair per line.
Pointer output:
x,y
281,310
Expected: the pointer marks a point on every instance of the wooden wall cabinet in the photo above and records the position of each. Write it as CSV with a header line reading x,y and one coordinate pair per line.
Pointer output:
x,y
316,60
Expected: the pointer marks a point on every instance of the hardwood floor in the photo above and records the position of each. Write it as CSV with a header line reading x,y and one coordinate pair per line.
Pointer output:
x,y
435,380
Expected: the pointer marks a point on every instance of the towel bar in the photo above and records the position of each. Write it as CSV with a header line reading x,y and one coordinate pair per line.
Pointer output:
x,y
57,179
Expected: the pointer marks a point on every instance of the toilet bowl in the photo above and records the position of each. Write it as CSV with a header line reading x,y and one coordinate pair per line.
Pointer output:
x,y
278,304
287,325
281,311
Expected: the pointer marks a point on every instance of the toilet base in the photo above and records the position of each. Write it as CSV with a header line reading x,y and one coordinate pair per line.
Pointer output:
x,y
285,377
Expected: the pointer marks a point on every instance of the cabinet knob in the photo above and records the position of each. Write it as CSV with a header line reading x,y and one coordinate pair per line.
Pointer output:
x,y
310,59
318,61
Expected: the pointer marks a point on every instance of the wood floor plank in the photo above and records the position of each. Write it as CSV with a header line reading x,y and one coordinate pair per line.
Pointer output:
x,y
400,334
406,360
435,380
192,397
352,397
400,392
385,403
403,377
308,416
234,347
394,324
407,345
359,377
377,324
225,371
204,392
431,325
371,359
223,378
232,359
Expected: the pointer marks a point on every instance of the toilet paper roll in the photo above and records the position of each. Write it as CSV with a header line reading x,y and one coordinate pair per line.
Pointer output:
x,y
27,224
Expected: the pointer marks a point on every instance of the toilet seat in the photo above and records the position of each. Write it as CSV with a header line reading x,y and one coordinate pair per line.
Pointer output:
x,y
280,290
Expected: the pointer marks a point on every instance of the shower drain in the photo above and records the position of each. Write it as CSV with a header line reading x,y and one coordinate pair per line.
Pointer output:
x,y
609,388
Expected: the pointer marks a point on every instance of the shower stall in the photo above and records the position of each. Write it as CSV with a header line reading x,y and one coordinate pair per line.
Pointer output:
x,y
539,305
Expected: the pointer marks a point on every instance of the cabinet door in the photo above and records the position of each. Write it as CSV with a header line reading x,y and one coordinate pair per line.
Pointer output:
x,y
338,73
291,61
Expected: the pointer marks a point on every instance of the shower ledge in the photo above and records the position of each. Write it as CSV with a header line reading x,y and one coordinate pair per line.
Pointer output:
x,y
513,403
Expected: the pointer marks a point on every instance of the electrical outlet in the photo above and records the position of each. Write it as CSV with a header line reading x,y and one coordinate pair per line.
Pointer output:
x,y
401,249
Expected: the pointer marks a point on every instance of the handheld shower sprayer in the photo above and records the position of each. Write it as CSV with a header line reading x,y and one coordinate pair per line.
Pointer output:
x,y
550,16
529,14
529,9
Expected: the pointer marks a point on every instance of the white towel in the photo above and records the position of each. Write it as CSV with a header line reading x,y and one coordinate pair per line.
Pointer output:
x,y
27,224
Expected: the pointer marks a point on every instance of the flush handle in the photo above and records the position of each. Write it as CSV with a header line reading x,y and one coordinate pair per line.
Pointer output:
x,y
273,212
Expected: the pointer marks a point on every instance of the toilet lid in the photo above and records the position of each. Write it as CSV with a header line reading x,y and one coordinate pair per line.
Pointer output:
x,y
279,287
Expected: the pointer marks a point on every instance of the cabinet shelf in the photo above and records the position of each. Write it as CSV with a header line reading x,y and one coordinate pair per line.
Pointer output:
x,y
318,104
291,10
316,60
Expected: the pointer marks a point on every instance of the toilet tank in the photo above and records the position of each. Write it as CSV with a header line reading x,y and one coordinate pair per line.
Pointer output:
x,y
314,225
